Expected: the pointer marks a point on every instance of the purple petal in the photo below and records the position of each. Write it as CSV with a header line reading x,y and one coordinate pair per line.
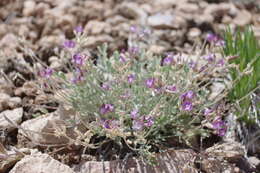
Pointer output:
x,y
149,121
168,60
187,106
134,114
131,78
79,29
137,125
171,88
150,82
106,108
69,44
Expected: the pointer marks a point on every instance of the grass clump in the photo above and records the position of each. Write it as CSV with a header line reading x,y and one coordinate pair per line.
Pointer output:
x,y
244,50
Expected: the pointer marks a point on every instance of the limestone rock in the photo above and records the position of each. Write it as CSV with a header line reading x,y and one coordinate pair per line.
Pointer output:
x,y
95,27
94,41
4,98
165,21
229,150
14,115
29,8
131,10
40,163
243,18
161,21
42,129
171,161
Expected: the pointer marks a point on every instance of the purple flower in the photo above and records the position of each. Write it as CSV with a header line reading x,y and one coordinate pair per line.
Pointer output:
x,y
222,131
158,90
220,42
203,68
188,95
207,111
77,59
149,121
131,78
78,29
105,86
220,126
168,60
171,88
138,125
109,124
192,65
218,123
210,57
133,29
187,106
212,37
221,62
46,73
69,44
134,114
150,82
106,124
122,58
106,108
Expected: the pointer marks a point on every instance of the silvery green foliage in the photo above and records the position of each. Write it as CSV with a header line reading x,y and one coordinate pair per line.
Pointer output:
x,y
141,100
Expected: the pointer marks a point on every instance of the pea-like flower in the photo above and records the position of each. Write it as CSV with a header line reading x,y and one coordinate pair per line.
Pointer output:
x,y
220,126
46,73
217,40
188,95
78,29
187,106
78,59
69,44
150,83
109,124
106,108
168,60
210,57
149,121
138,125
207,111
130,78
171,88
134,114
105,86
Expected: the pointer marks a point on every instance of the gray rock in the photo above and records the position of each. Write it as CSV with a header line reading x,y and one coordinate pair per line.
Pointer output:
x,y
165,21
229,150
161,21
40,163
41,130
131,10
29,7
14,115
243,18
171,161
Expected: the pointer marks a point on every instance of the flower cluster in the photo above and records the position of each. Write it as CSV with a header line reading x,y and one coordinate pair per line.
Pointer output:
x,y
139,122
186,100
215,39
220,126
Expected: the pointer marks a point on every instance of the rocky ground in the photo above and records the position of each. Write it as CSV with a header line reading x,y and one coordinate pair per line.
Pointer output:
x,y
43,25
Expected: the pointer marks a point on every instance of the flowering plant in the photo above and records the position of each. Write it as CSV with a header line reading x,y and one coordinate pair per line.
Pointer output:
x,y
141,101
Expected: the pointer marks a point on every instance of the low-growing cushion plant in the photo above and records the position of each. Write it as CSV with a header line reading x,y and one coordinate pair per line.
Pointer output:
x,y
138,103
